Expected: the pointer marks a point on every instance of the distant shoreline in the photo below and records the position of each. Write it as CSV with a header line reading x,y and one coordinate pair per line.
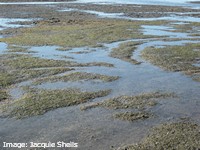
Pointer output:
x,y
35,1
195,2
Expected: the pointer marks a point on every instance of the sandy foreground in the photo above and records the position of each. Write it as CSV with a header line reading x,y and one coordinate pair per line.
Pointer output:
x,y
99,77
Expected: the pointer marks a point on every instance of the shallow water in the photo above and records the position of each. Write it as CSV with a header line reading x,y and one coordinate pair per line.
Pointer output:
x,y
10,23
142,76
146,2
163,31
136,1
2,47
97,13
171,17
96,128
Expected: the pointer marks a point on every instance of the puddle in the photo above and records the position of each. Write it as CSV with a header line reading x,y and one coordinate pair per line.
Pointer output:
x,y
145,2
16,93
3,47
180,23
172,17
51,52
10,23
197,65
163,31
48,52
83,85
97,13
69,9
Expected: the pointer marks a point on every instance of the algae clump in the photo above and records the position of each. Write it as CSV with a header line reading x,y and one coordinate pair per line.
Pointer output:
x,y
176,58
3,95
90,33
138,101
77,76
125,51
38,102
131,116
181,135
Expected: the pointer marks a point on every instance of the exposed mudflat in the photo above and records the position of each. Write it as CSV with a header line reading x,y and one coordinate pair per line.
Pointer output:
x,y
102,76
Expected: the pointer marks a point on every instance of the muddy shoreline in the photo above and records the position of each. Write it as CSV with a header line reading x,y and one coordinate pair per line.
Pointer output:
x,y
135,11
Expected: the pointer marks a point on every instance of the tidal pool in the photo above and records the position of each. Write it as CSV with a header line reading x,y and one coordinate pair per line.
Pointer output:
x,y
12,23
